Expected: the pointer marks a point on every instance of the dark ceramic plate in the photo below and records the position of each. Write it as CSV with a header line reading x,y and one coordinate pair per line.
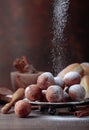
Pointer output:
x,y
61,104
52,107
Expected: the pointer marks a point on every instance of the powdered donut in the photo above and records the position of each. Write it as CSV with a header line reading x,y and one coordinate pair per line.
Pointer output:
x,y
33,93
45,80
54,93
59,81
76,92
22,108
72,78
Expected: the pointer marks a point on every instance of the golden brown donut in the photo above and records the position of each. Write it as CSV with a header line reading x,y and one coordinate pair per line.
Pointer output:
x,y
85,83
85,66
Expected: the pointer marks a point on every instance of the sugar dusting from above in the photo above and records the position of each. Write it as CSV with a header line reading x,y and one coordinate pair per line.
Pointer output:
x,y
59,22
60,17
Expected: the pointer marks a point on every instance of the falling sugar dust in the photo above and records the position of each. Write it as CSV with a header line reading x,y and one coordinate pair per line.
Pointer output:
x,y
60,48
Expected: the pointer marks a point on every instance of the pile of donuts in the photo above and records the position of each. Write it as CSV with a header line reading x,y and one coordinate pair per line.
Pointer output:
x,y
71,84
68,85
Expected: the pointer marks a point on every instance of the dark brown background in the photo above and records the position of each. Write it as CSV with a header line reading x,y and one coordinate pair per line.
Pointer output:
x,y
26,29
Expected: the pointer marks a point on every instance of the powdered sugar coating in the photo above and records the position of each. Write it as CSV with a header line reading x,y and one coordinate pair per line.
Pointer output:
x,y
54,93
33,92
59,81
77,92
45,80
72,78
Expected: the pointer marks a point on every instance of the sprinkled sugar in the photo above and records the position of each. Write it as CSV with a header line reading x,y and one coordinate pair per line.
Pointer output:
x,y
59,23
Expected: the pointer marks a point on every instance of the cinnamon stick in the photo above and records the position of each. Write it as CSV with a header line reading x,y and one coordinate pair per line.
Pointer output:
x,y
82,113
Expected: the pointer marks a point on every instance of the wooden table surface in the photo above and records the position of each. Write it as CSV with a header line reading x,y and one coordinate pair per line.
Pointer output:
x,y
39,121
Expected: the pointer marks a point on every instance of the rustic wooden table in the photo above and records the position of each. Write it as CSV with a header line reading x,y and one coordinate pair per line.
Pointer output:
x,y
38,121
